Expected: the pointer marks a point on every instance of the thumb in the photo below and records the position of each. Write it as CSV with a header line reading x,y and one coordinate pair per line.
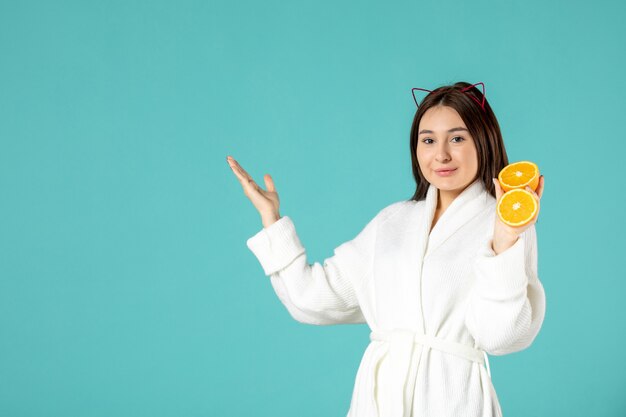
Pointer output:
x,y
499,192
269,183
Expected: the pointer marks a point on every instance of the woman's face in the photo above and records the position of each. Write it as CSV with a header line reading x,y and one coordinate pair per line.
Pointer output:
x,y
445,143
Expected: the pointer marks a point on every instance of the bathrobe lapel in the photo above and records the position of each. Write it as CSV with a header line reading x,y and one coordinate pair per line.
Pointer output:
x,y
463,208
404,245
467,205
399,285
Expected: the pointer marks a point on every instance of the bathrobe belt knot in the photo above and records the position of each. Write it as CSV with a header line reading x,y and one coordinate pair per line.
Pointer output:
x,y
401,346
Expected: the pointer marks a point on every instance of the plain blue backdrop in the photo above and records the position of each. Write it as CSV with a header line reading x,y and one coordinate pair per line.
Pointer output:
x,y
126,287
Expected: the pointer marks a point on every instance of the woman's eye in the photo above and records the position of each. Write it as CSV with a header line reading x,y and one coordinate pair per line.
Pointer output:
x,y
456,137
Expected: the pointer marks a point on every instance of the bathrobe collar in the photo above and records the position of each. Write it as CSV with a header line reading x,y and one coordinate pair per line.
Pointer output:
x,y
395,304
472,201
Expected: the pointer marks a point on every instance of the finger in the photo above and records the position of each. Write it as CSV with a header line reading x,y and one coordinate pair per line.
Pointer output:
x,y
242,170
536,216
234,164
269,183
243,175
249,180
498,188
244,178
533,192
540,189
237,171
538,210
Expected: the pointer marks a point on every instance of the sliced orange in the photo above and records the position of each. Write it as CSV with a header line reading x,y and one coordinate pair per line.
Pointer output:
x,y
517,207
518,175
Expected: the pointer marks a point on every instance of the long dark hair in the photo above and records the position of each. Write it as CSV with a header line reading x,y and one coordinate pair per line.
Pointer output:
x,y
482,125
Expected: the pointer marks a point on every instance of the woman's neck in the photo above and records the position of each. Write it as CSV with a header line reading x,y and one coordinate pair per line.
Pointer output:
x,y
444,199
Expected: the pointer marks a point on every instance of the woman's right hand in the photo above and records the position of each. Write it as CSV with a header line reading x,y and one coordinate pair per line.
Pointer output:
x,y
266,202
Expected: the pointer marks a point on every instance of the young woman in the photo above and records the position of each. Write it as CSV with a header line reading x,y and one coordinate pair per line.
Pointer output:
x,y
439,278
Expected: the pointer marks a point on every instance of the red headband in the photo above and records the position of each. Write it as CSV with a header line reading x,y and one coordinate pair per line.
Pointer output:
x,y
482,105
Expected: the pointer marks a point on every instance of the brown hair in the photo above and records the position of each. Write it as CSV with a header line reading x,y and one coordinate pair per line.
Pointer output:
x,y
482,125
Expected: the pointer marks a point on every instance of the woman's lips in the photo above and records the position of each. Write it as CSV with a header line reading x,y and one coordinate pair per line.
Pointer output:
x,y
446,173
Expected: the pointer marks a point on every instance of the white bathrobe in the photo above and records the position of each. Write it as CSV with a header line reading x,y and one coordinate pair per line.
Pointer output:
x,y
436,302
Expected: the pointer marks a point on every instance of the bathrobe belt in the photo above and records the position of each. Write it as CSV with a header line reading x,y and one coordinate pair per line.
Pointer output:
x,y
401,343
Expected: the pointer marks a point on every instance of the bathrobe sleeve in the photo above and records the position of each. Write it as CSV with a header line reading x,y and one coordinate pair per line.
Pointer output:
x,y
507,303
316,293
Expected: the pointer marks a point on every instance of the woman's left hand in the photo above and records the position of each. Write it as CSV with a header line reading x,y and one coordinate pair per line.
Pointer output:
x,y
504,236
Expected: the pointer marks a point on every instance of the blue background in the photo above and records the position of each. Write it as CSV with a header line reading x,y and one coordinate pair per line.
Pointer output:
x,y
126,287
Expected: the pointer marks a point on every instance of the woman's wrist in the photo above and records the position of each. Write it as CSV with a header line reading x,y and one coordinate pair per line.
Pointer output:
x,y
502,242
269,219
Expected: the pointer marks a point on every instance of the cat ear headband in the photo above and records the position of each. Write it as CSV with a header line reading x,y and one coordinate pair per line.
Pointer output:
x,y
464,90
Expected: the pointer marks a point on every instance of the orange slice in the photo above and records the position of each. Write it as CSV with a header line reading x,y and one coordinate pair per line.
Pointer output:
x,y
518,175
517,207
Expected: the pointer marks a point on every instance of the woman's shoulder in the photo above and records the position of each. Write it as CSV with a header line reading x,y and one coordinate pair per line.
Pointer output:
x,y
393,209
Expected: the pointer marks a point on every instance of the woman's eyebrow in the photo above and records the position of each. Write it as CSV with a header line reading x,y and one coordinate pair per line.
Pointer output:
x,y
454,129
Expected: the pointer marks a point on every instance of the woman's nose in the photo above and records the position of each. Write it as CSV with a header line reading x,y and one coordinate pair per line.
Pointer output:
x,y
443,154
